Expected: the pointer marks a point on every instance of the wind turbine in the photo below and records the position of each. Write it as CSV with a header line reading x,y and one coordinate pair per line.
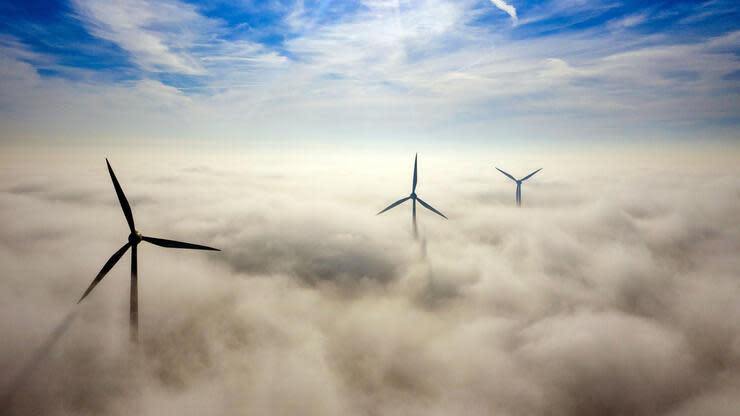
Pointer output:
x,y
133,240
414,198
519,184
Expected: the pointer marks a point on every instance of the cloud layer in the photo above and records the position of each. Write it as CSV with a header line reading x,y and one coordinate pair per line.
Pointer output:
x,y
613,291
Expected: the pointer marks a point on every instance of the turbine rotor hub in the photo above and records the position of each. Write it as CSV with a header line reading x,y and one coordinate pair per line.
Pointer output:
x,y
413,195
134,238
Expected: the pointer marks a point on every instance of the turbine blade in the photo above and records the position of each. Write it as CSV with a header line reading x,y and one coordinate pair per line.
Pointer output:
x,y
413,187
122,199
429,207
531,174
512,178
176,244
393,205
106,268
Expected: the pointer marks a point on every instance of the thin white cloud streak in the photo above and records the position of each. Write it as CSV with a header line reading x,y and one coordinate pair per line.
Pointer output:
x,y
628,21
578,11
509,9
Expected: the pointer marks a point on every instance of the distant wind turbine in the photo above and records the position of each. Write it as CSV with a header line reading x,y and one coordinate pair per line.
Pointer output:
x,y
133,240
414,198
519,184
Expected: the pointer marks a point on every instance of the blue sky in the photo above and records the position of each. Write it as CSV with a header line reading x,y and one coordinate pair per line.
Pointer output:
x,y
564,71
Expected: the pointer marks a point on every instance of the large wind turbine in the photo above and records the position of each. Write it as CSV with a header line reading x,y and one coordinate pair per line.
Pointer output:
x,y
133,240
414,198
519,184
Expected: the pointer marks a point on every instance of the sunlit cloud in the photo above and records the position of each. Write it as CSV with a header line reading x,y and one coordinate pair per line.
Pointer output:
x,y
317,306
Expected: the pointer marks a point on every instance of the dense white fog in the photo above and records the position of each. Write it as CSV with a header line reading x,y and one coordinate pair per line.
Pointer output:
x,y
614,290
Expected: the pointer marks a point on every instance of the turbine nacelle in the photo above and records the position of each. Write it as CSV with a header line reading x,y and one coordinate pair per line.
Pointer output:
x,y
134,238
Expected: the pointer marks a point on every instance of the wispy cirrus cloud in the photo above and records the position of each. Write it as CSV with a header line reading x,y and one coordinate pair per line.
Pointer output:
x,y
509,9
156,33
169,36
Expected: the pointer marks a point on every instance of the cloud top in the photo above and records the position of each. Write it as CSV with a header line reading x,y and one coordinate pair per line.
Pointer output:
x,y
612,291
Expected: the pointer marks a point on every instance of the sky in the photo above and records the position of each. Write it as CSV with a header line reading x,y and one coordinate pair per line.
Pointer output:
x,y
276,130
471,73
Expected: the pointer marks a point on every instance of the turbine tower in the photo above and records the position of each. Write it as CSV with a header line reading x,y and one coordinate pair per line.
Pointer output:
x,y
133,241
519,184
414,198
